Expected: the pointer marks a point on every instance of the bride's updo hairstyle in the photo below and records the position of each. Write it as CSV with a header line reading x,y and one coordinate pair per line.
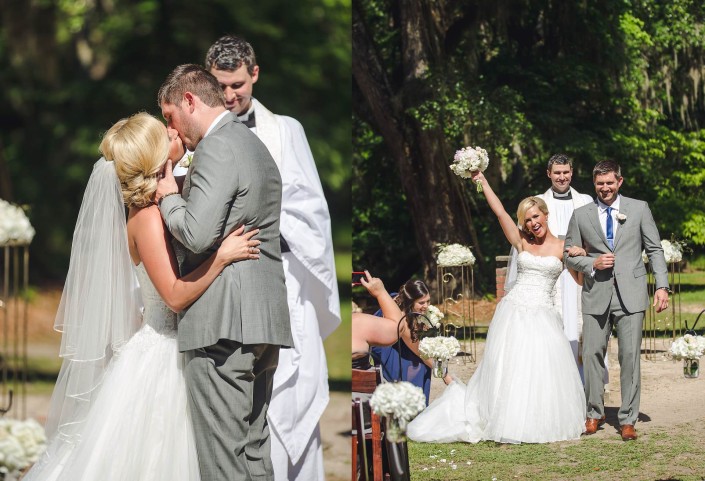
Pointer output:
x,y
139,146
409,293
527,204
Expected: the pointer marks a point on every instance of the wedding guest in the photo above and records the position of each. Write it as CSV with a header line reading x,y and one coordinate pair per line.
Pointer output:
x,y
369,331
614,230
413,297
300,392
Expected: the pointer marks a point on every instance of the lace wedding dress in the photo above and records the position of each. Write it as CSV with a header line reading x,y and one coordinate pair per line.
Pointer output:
x,y
527,387
139,427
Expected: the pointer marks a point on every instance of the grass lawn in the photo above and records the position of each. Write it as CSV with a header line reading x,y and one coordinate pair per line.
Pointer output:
x,y
673,455
337,345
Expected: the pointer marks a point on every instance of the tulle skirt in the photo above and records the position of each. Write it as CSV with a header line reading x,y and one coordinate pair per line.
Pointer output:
x,y
526,389
139,427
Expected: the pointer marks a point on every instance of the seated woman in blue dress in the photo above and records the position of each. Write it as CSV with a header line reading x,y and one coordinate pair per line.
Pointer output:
x,y
412,297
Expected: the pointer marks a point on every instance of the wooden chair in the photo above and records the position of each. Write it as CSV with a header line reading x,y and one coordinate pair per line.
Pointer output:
x,y
366,382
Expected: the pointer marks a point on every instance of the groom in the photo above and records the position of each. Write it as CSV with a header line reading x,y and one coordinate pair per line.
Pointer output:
x,y
232,334
614,230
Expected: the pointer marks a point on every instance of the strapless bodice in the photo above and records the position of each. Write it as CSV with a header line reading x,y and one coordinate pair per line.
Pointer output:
x,y
156,313
536,279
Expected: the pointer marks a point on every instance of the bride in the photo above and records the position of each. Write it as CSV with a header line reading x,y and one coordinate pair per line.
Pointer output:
x,y
118,411
527,388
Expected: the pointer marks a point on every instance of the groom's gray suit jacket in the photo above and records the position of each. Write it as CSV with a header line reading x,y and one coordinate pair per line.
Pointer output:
x,y
636,233
232,181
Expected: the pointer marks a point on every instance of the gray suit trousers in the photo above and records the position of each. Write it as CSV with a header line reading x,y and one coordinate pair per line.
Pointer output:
x,y
596,332
230,386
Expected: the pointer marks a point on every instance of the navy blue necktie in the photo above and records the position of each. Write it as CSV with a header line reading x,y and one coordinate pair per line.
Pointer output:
x,y
610,228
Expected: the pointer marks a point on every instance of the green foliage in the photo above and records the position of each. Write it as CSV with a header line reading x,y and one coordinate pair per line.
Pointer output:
x,y
622,80
70,69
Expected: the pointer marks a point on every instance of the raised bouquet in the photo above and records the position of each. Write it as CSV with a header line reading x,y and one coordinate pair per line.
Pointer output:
x,y
468,160
454,255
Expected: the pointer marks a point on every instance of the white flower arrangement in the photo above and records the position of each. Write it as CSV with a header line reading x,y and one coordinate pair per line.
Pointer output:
x,y
688,347
400,400
621,218
672,251
434,316
439,347
468,160
14,225
21,444
454,255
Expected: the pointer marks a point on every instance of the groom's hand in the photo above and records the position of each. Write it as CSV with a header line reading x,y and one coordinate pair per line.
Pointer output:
x,y
661,300
167,183
605,261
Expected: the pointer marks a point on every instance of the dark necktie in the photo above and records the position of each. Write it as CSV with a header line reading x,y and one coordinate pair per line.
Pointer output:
x,y
610,228
249,121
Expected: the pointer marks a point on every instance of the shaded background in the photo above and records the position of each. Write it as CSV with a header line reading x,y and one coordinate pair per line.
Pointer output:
x,y
523,79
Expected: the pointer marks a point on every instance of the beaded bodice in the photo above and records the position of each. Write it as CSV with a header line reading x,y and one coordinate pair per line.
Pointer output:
x,y
536,279
156,313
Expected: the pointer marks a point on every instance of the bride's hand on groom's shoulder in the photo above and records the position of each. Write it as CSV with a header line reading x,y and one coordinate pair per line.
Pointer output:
x,y
239,246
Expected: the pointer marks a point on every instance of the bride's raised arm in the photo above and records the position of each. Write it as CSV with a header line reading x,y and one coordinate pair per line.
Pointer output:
x,y
509,227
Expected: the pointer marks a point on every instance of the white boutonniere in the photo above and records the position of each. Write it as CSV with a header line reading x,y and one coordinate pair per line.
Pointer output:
x,y
185,162
621,217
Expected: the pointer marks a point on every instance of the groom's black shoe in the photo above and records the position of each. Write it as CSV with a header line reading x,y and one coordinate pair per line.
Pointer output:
x,y
592,424
628,432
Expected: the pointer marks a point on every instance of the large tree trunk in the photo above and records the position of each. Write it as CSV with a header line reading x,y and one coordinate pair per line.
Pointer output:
x,y
437,199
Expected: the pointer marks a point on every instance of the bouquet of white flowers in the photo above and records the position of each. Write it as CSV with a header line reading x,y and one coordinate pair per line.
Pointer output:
x,y
14,225
434,316
688,347
454,255
21,443
468,160
439,347
672,251
399,403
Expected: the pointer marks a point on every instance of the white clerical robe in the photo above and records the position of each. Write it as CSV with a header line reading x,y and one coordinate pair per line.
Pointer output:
x,y
300,393
567,290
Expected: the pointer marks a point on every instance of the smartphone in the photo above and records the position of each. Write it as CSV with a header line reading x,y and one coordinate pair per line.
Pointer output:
x,y
356,276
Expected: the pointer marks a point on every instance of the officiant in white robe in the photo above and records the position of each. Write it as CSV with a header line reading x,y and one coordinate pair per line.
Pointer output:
x,y
560,208
301,381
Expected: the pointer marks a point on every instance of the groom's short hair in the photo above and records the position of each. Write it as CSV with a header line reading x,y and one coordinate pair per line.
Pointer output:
x,y
191,78
605,167
560,159
229,53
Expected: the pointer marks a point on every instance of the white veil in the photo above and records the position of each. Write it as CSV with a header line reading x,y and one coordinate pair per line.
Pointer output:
x,y
100,306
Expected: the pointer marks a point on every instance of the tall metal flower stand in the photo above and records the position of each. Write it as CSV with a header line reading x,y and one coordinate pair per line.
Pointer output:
x,y
662,328
14,308
456,299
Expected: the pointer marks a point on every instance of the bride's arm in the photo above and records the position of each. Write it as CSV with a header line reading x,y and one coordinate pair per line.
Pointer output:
x,y
509,227
152,243
575,251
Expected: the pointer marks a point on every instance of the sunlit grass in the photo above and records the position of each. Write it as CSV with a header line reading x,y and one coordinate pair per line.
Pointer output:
x,y
676,454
